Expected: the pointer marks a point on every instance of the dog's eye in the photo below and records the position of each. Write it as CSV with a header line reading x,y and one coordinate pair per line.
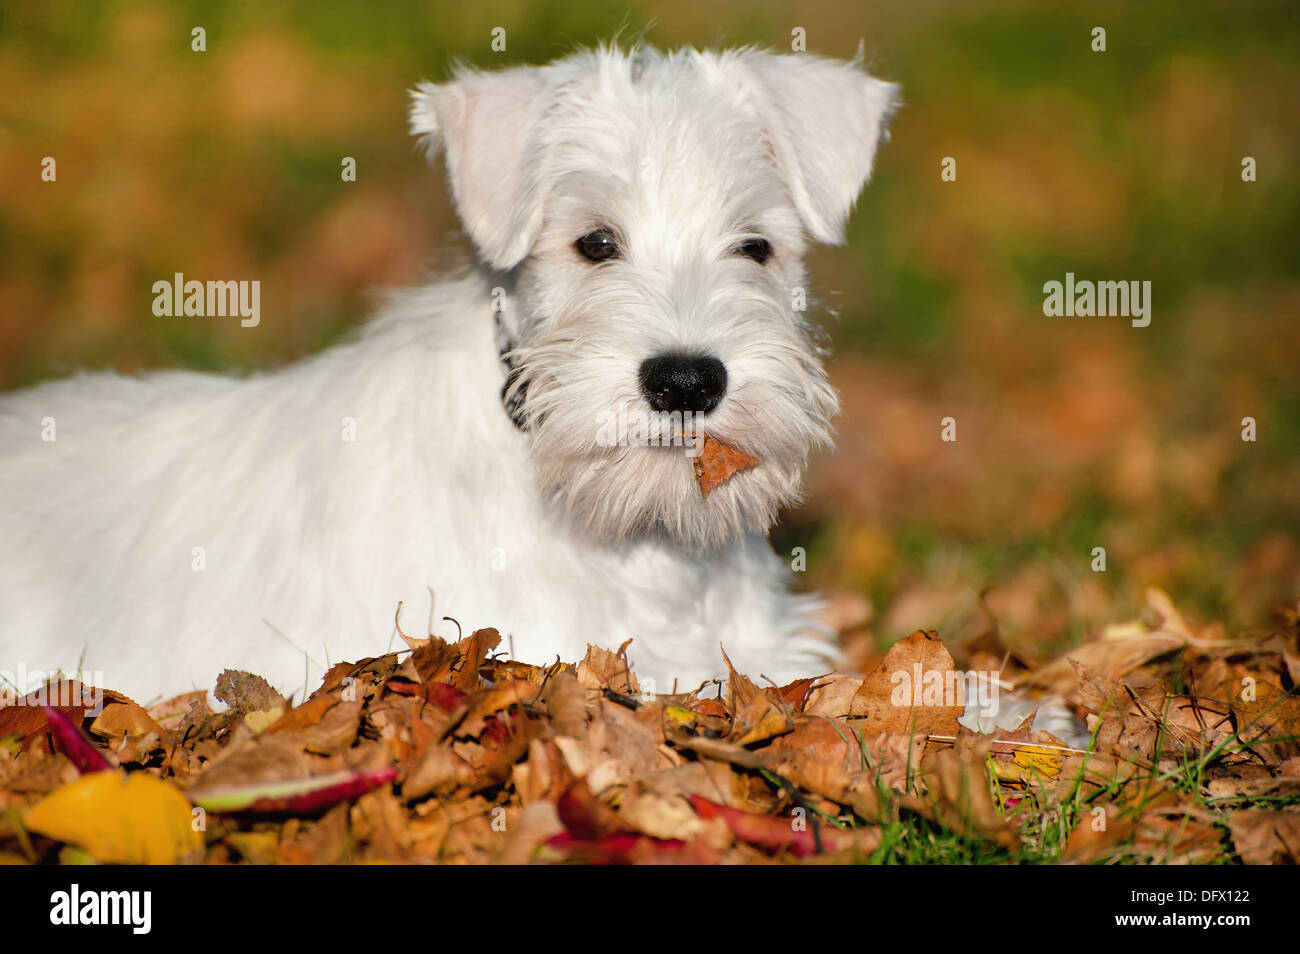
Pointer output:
x,y
597,246
759,249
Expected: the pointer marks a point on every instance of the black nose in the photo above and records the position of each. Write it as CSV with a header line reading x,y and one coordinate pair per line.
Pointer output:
x,y
679,382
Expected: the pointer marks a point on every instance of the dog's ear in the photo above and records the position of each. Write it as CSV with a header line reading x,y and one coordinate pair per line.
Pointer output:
x,y
484,122
825,118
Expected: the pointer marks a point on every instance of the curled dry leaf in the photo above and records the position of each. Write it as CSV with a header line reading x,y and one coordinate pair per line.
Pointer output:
x,y
131,733
602,669
756,715
246,692
717,463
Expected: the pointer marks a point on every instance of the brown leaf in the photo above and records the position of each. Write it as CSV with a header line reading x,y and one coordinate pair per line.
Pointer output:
x,y
717,463
1110,659
358,679
957,796
755,714
820,740
245,692
481,705
130,731
435,659
667,816
602,669
566,703
25,718
261,758
1266,838
1269,723
1170,831
795,694
832,696
1097,836
440,771
379,823
1149,722
914,690
472,650
543,775
322,725
322,841
538,822
170,713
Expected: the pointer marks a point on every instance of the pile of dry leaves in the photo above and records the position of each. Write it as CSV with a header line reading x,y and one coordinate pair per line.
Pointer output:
x,y
449,753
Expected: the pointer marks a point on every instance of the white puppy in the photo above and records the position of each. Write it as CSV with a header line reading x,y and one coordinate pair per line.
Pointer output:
x,y
640,218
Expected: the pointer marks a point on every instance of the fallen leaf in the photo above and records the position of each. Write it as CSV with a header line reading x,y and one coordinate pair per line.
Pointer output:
x,y
246,692
756,715
772,833
1265,837
131,819
832,696
295,796
914,690
602,669
132,733
74,743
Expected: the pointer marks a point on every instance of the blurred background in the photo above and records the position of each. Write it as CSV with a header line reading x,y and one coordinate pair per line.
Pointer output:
x,y
1072,433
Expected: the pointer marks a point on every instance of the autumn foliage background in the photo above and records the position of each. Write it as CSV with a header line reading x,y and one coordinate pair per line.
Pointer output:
x,y
1072,433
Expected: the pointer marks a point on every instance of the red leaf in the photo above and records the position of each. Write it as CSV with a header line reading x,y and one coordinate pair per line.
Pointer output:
x,y
796,693
301,796
445,696
764,831
586,816
75,744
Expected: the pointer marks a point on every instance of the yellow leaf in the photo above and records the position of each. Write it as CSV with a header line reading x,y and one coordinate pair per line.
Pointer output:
x,y
679,714
133,819
1029,763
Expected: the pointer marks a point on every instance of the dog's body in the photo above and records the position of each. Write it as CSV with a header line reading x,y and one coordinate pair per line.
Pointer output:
x,y
181,523
309,538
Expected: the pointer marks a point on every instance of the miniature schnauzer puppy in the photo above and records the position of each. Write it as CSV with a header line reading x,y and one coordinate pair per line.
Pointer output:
x,y
521,447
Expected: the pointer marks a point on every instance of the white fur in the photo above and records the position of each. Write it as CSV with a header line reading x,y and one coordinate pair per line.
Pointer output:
x,y
310,541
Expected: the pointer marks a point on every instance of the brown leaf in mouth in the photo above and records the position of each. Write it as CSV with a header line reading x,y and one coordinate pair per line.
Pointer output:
x,y
718,463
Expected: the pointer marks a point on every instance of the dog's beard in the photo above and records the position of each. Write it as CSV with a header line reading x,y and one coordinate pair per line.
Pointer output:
x,y
777,408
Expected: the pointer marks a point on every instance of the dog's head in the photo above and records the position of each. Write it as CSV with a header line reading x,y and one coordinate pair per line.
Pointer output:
x,y
651,210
